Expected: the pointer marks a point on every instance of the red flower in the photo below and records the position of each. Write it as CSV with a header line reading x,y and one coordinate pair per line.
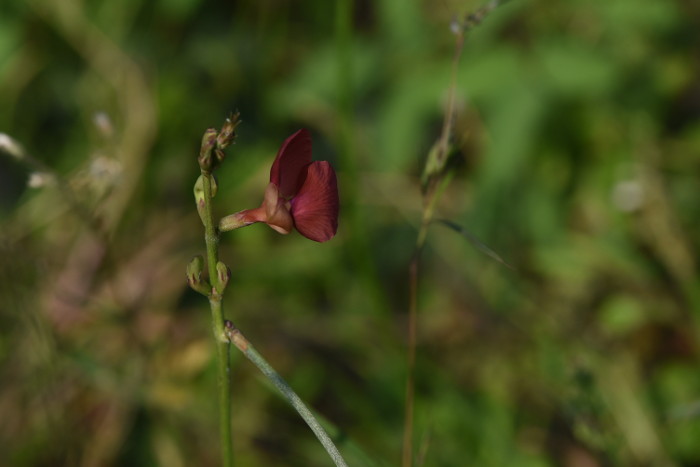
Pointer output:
x,y
301,194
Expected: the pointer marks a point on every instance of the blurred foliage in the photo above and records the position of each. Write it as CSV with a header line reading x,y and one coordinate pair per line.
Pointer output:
x,y
578,154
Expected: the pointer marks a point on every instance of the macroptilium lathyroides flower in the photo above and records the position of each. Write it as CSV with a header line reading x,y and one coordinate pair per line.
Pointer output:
x,y
301,194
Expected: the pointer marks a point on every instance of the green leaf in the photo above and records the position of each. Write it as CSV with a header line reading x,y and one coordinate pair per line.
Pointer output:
x,y
474,241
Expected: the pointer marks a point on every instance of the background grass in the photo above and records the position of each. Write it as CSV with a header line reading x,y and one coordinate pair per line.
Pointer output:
x,y
578,159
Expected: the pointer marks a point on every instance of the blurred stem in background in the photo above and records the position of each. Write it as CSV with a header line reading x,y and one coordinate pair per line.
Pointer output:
x,y
45,175
124,75
435,179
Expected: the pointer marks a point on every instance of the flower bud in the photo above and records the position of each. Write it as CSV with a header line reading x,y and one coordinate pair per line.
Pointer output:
x,y
199,196
228,131
223,273
206,160
194,276
214,186
194,270
219,156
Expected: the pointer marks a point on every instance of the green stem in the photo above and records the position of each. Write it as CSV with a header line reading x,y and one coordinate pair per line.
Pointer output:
x,y
431,196
407,443
211,238
249,351
436,183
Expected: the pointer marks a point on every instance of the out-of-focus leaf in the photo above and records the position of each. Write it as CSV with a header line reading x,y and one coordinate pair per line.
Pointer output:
x,y
577,70
478,244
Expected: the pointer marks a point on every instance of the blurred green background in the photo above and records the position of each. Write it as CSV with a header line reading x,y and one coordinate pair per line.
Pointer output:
x,y
578,161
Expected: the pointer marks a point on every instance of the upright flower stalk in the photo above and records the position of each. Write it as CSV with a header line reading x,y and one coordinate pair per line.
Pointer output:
x,y
302,194
210,156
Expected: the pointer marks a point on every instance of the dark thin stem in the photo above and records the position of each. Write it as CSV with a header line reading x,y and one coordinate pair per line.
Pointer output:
x,y
449,113
433,189
407,451
431,198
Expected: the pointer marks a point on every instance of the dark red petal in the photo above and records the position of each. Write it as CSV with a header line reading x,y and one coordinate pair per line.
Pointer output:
x,y
288,168
315,207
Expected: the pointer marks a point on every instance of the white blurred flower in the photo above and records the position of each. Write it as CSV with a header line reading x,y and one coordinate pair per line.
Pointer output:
x,y
628,195
40,179
105,168
103,124
10,146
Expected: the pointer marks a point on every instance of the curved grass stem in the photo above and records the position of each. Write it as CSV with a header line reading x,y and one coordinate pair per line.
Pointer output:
x,y
249,351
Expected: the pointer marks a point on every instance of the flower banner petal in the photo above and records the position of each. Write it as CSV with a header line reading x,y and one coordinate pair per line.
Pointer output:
x,y
288,169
